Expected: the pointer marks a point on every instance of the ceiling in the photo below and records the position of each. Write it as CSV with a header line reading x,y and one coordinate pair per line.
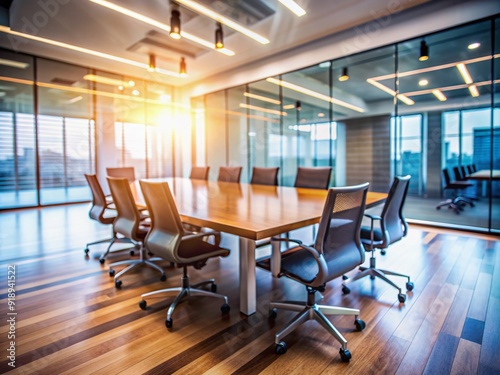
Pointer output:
x,y
86,24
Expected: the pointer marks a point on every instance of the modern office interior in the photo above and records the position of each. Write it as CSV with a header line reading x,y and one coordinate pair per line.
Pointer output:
x,y
371,90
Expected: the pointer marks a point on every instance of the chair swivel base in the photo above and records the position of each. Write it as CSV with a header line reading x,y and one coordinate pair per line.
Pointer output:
x,y
374,272
455,204
310,310
131,264
186,291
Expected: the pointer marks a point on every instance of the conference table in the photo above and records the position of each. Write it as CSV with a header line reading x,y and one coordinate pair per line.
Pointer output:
x,y
484,176
251,212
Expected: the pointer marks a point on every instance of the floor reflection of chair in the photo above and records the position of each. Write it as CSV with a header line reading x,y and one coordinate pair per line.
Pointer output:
x,y
391,228
337,250
129,222
168,239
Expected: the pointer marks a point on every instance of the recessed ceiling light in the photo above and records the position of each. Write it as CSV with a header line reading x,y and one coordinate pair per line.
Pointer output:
x,y
473,45
289,106
294,7
321,114
325,64
438,94
423,82
135,92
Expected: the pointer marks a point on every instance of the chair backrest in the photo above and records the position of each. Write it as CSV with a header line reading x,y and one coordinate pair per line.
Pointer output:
x,y
446,176
98,198
313,177
469,169
128,217
122,172
199,173
265,176
464,172
393,224
339,229
229,174
474,168
458,174
166,227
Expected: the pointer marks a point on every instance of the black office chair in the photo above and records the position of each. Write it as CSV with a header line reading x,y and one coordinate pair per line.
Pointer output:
x,y
102,211
337,250
265,176
391,228
456,202
313,177
169,240
229,174
131,224
199,173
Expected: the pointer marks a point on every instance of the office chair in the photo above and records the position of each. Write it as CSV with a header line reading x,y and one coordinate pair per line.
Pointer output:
x,y
122,172
456,202
229,174
130,223
337,250
265,176
313,177
168,239
199,173
391,228
102,211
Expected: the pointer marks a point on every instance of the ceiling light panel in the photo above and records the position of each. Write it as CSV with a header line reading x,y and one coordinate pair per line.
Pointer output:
x,y
14,64
294,7
263,98
193,5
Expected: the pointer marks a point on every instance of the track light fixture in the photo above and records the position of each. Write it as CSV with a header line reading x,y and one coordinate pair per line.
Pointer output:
x,y
175,23
182,67
219,36
152,63
424,51
345,74
298,105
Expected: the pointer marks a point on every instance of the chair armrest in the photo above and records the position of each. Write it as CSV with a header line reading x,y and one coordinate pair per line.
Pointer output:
x,y
373,217
200,235
281,239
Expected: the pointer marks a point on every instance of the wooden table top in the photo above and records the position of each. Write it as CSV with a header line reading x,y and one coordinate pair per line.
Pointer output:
x,y
485,174
251,211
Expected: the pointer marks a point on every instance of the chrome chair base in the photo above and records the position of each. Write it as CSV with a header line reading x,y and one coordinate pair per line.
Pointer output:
x,y
143,260
185,291
310,310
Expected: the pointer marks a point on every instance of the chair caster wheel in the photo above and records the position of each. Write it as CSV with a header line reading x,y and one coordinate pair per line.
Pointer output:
x,y
344,277
225,308
372,277
132,253
402,297
169,323
273,313
86,250
143,305
111,273
383,252
280,348
163,277
409,286
345,355
102,260
213,288
118,284
360,324
345,290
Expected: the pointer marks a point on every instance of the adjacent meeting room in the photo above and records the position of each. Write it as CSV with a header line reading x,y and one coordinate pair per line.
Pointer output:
x,y
247,187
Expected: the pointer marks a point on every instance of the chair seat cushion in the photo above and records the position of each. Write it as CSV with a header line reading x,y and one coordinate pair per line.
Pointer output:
x,y
300,264
197,249
366,235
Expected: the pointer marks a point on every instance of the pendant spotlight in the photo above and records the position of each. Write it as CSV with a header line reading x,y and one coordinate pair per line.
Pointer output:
x,y
152,63
219,36
424,51
345,74
182,67
175,23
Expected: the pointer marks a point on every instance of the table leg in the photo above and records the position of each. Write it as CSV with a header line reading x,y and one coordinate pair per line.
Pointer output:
x,y
248,285
275,258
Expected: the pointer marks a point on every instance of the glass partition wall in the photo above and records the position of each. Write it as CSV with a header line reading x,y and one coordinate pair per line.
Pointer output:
x,y
417,107
58,119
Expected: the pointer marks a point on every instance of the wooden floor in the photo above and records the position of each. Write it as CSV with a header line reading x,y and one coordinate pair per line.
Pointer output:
x,y
71,319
